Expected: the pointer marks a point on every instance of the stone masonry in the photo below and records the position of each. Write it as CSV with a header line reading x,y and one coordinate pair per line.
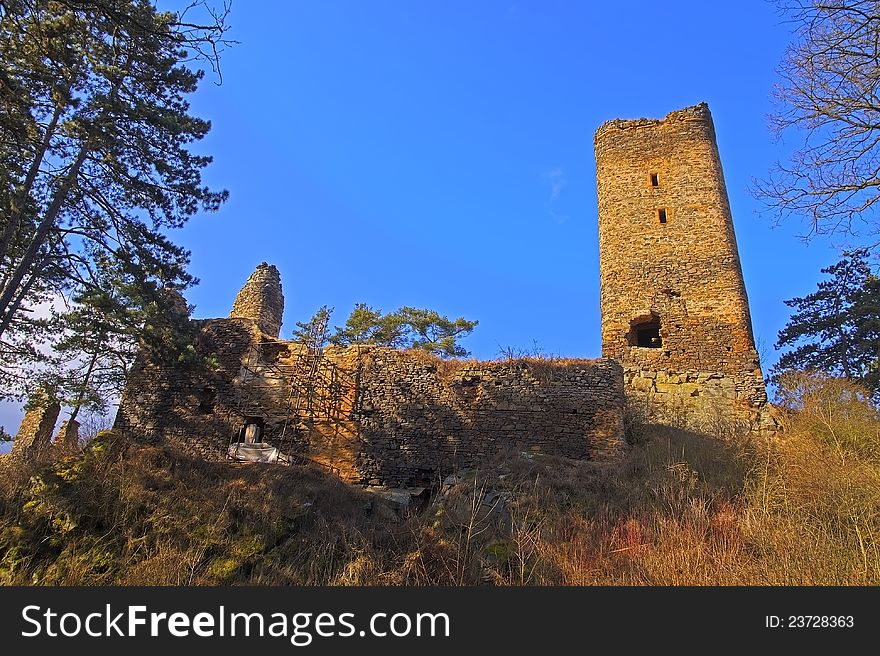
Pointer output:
x,y
676,342
415,421
370,414
35,433
67,439
261,300
673,302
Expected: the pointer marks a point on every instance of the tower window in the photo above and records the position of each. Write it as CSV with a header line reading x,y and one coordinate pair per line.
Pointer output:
x,y
644,332
655,179
661,215
649,337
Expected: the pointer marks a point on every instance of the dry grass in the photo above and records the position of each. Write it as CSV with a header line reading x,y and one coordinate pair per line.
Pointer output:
x,y
681,509
120,513
542,367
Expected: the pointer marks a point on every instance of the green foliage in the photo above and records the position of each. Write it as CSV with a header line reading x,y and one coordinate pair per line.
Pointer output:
x,y
95,339
367,325
429,331
836,329
95,167
408,327
314,331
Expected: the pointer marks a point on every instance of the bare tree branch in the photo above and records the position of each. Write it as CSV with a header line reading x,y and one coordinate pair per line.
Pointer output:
x,y
828,94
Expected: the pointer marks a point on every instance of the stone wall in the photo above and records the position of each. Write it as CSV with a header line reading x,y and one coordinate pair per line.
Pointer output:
x,y
261,299
370,414
673,302
67,439
417,420
35,432
193,404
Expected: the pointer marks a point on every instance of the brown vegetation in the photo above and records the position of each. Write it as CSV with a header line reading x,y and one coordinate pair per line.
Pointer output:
x,y
681,509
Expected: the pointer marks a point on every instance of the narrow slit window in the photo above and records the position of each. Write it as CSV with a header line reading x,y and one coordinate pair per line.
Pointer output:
x,y
655,179
661,215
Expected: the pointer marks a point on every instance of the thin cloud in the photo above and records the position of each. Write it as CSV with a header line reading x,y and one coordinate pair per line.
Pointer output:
x,y
556,180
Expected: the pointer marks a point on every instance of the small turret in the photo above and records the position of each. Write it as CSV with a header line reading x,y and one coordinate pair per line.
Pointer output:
x,y
261,300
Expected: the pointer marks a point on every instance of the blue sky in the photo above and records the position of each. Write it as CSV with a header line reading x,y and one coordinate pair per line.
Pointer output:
x,y
440,154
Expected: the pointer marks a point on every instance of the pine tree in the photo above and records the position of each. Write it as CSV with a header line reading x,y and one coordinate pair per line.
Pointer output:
x,y
313,333
435,333
367,325
95,341
836,329
407,327
94,155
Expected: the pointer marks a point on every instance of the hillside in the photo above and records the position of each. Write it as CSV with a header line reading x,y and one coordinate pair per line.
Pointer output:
x,y
680,509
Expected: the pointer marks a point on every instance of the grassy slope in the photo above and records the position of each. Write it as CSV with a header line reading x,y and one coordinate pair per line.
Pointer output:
x,y
682,509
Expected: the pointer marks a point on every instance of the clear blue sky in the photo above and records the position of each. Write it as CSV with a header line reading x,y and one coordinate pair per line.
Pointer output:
x,y
440,154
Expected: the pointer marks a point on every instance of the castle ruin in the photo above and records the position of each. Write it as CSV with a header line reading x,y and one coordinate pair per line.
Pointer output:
x,y
676,343
673,302
372,415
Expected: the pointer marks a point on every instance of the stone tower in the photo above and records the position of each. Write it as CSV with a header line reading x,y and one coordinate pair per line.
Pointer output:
x,y
261,300
673,303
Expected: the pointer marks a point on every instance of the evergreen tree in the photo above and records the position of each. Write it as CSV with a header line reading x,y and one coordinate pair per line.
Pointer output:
x,y
313,332
367,325
429,331
95,340
836,329
407,327
94,159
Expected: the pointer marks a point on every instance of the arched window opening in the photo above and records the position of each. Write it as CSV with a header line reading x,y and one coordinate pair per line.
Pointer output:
x,y
644,332
252,430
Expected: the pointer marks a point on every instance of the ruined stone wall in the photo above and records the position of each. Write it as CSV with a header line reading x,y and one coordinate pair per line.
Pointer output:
x,y
417,421
261,299
35,432
190,403
67,439
370,414
673,302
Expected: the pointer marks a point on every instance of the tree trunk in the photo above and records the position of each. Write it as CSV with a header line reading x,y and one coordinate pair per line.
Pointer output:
x,y
16,302
20,198
77,404
50,217
27,260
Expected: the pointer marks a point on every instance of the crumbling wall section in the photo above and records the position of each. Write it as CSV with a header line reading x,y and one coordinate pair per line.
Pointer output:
x,y
192,403
370,414
261,300
35,432
418,421
67,439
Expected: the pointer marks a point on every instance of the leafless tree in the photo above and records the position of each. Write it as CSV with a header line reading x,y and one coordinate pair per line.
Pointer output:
x,y
828,96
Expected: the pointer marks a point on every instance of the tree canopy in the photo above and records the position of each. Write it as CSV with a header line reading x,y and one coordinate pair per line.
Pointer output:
x,y
313,332
828,96
407,327
96,167
836,329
